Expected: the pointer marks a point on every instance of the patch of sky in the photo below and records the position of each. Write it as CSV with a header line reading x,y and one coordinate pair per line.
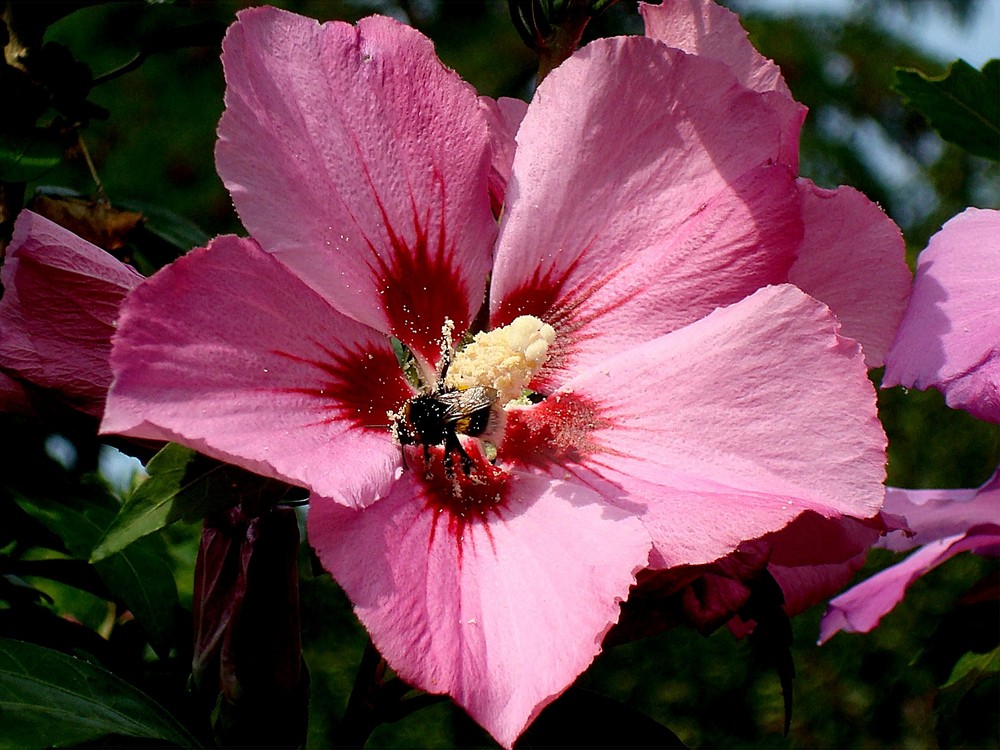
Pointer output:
x,y
933,28
120,471
61,450
898,169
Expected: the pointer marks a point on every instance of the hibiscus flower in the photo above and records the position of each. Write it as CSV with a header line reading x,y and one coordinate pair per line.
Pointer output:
x,y
941,524
60,302
501,426
949,339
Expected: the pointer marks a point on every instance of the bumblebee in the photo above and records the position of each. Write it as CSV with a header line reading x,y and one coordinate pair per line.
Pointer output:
x,y
440,416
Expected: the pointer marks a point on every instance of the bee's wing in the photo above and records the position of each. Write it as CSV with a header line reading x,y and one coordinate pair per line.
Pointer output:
x,y
462,403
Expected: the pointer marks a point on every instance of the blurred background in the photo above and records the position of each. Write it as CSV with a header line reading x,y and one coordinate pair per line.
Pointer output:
x,y
153,151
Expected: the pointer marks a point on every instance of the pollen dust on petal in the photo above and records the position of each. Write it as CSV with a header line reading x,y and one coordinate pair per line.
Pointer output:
x,y
556,432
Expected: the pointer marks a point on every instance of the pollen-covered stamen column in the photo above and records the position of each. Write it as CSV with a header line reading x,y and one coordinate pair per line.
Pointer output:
x,y
506,358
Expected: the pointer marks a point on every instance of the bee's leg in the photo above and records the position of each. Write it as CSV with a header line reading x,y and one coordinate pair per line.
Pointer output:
x,y
449,460
453,445
456,445
466,461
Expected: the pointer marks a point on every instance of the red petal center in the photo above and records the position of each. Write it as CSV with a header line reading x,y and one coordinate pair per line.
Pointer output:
x,y
455,497
556,432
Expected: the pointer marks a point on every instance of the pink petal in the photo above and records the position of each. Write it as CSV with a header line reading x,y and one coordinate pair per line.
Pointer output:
x,y
804,587
58,312
813,558
945,522
934,514
724,430
362,162
703,596
13,397
700,27
503,617
843,539
853,258
617,231
949,334
860,609
504,117
229,353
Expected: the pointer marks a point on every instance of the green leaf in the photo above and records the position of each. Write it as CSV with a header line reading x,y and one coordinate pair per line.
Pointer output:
x,y
157,502
24,158
970,688
75,573
582,718
172,228
973,666
963,105
48,699
182,486
141,575
78,519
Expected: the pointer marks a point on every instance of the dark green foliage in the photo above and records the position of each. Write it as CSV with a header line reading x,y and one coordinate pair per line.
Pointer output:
x,y
182,486
963,105
153,67
141,575
49,699
584,719
28,156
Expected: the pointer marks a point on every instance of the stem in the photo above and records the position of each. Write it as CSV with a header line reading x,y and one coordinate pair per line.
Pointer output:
x,y
361,716
564,40
102,197
375,700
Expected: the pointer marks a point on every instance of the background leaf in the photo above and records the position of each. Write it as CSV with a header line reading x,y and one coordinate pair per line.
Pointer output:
x,y
182,486
151,504
963,105
48,699
28,157
140,575
581,718
177,231
975,666
967,699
